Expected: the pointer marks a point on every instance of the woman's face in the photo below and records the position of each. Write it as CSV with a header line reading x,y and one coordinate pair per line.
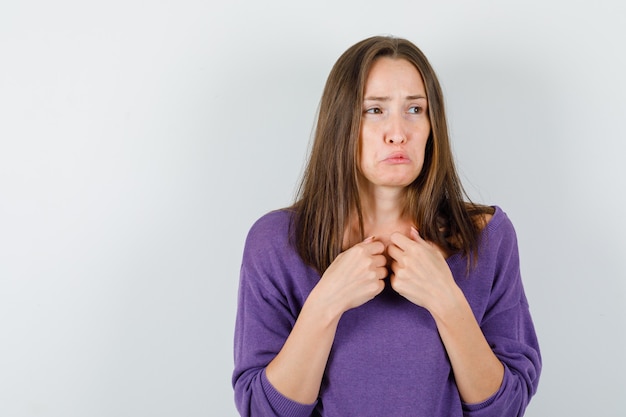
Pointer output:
x,y
395,124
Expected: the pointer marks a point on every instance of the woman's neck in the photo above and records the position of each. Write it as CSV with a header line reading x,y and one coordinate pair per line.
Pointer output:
x,y
383,214
382,205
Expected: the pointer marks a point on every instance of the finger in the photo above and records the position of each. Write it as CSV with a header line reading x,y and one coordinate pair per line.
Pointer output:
x,y
374,247
371,246
401,240
381,272
415,235
394,251
380,261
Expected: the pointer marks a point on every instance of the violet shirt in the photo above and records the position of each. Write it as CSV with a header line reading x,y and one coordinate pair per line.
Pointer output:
x,y
387,358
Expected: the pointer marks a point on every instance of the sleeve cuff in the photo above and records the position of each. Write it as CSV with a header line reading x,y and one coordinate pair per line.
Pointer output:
x,y
282,405
484,404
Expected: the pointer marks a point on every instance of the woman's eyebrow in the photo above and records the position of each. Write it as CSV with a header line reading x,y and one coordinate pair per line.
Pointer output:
x,y
387,98
416,97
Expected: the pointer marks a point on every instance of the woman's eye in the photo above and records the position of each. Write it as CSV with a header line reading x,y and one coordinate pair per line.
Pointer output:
x,y
373,110
415,110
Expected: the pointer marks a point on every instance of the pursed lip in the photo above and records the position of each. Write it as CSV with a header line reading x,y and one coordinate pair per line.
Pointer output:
x,y
397,158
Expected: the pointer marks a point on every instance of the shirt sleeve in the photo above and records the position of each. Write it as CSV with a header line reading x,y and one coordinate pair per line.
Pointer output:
x,y
509,330
265,317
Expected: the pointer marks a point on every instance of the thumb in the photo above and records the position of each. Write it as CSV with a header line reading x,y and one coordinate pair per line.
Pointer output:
x,y
369,239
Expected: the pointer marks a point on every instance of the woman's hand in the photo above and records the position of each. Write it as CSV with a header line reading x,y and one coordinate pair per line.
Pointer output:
x,y
420,272
355,277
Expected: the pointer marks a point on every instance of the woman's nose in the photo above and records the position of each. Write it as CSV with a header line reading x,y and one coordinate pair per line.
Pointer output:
x,y
396,140
395,133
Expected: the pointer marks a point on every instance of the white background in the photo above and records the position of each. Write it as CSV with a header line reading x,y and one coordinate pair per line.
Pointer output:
x,y
140,140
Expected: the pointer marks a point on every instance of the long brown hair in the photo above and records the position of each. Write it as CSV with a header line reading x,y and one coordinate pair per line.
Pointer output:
x,y
329,194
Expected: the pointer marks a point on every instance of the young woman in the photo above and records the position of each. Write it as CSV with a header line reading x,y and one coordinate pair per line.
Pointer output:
x,y
381,292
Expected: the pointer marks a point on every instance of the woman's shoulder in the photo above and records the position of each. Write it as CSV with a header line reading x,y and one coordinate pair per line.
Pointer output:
x,y
269,254
498,234
272,229
273,220
497,240
498,221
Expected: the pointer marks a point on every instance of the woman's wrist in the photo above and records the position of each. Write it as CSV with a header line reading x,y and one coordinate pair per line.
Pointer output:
x,y
451,307
324,310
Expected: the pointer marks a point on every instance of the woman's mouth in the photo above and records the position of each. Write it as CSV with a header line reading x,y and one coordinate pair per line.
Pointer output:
x,y
397,158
